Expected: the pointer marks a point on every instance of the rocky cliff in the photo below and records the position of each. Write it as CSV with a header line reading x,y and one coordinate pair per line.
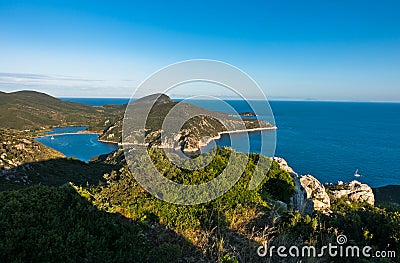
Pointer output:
x,y
312,196
300,201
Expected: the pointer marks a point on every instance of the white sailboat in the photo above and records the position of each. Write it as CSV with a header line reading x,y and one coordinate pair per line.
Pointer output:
x,y
356,174
52,138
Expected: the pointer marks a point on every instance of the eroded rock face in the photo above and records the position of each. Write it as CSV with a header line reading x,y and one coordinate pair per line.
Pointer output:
x,y
283,165
312,196
316,192
299,201
355,191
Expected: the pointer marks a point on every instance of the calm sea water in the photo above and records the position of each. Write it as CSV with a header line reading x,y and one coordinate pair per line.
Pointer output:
x,y
68,129
81,146
329,140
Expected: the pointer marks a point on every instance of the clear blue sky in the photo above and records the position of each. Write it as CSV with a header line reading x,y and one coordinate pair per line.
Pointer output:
x,y
328,50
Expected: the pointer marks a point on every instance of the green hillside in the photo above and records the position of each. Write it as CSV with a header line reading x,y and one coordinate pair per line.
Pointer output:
x,y
204,124
117,220
61,220
49,224
57,209
25,162
35,110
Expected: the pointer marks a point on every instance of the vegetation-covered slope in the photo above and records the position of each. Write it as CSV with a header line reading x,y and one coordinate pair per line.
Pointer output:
x,y
106,216
17,148
122,221
49,224
204,125
235,224
35,110
24,161
387,194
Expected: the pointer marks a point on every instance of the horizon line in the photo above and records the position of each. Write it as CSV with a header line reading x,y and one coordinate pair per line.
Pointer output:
x,y
274,99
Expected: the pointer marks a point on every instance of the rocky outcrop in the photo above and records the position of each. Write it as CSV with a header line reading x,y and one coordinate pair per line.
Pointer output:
x,y
354,191
316,192
312,196
299,201
113,133
284,165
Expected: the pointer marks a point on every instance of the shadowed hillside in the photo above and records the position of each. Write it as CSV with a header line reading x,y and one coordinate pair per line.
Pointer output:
x,y
49,224
24,162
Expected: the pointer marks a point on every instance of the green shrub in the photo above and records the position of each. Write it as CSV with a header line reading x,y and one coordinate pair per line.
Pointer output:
x,y
165,253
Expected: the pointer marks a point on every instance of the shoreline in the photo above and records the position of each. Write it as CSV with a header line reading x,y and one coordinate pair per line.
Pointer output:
x,y
104,141
79,133
66,133
202,145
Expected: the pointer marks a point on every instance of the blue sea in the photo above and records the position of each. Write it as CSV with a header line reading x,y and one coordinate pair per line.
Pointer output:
x,y
329,140
67,129
82,146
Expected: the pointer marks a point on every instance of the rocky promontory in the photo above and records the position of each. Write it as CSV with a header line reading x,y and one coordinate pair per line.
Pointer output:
x,y
198,125
312,196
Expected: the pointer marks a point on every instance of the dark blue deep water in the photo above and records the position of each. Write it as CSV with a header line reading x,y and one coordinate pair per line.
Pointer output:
x,y
329,140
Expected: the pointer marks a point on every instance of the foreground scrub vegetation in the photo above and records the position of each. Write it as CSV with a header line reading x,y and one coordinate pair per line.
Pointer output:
x,y
116,220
